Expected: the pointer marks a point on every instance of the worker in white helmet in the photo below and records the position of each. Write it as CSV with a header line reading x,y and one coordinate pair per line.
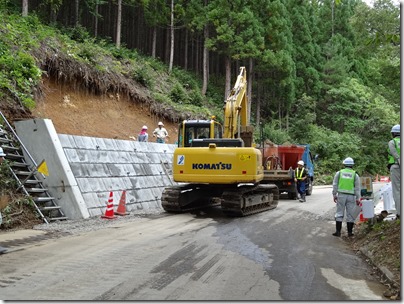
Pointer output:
x,y
143,135
300,180
346,194
160,133
394,166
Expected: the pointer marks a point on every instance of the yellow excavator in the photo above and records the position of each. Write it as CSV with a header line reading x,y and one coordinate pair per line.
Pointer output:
x,y
217,164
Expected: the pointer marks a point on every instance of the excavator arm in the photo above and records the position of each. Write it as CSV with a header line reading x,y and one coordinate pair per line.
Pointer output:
x,y
236,124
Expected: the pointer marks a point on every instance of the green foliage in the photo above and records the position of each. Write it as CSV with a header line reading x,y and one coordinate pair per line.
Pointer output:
x,y
156,65
331,80
196,98
18,74
382,226
142,76
78,33
187,80
178,94
333,147
161,98
7,181
272,132
304,115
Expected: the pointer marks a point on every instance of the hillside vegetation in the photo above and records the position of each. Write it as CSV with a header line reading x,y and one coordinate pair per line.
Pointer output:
x,y
349,116
323,72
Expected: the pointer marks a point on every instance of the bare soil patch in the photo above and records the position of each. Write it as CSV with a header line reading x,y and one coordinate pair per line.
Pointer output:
x,y
76,112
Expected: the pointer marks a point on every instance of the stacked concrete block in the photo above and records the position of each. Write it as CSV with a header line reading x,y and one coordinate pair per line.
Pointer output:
x,y
84,170
102,165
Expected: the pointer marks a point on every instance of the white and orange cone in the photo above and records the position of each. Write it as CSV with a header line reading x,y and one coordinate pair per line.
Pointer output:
x,y
109,213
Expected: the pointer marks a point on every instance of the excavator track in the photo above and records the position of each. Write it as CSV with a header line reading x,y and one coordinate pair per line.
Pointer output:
x,y
188,197
234,201
247,200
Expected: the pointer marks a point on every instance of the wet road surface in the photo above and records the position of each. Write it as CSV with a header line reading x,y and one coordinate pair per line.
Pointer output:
x,y
283,254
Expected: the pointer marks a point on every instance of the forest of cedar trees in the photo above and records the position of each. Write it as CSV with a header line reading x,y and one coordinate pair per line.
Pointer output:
x,y
323,72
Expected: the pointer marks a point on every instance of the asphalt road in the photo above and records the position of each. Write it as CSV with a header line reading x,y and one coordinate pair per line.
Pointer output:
x,y
283,254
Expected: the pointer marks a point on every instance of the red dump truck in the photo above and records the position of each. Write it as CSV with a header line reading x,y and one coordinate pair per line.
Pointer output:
x,y
280,161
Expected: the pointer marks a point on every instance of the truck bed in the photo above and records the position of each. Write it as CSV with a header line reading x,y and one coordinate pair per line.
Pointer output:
x,y
272,175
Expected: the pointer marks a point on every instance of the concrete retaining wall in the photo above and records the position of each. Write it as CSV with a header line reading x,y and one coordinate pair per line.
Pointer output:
x,y
84,170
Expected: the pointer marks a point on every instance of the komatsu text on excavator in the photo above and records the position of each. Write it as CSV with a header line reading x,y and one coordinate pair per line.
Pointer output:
x,y
218,164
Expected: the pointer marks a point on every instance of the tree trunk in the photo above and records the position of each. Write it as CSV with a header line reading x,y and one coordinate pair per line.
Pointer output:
x,y
118,25
170,66
76,13
186,50
24,8
154,41
205,67
227,65
197,55
258,109
96,21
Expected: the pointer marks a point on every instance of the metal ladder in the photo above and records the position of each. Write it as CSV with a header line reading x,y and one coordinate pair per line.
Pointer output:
x,y
26,175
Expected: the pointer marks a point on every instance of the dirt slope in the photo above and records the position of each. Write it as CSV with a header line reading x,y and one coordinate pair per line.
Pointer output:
x,y
79,113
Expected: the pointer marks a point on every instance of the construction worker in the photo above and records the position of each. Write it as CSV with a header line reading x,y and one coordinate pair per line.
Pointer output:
x,y
300,180
346,193
394,166
161,133
143,136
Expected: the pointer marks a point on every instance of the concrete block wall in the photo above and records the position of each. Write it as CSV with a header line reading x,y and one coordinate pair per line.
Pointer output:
x,y
84,170
102,165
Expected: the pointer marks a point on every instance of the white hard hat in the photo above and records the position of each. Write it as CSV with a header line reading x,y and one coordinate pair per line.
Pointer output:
x,y
395,129
2,154
144,128
348,161
300,162
160,123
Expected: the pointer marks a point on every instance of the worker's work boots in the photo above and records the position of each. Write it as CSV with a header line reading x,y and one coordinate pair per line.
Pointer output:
x,y
302,198
338,226
350,228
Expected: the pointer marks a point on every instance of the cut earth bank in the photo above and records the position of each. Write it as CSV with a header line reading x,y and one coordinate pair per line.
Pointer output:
x,y
113,116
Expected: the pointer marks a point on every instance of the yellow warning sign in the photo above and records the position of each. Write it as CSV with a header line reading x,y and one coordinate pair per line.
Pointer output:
x,y
43,168
245,157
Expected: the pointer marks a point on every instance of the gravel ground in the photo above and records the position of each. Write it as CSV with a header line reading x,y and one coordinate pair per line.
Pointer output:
x,y
96,223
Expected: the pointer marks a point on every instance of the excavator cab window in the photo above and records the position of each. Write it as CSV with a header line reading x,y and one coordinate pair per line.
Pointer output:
x,y
189,131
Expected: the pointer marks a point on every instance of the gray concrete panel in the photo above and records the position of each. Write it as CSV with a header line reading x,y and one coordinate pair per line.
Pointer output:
x,y
67,141
118,170
84,185
124,145
138,157
84,142
41,140
100,165
110,144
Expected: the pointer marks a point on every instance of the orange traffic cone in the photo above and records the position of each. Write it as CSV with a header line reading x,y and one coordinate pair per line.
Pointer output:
x,y
122,205
109,213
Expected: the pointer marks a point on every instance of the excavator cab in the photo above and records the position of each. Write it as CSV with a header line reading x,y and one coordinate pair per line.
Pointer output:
x,y
191,130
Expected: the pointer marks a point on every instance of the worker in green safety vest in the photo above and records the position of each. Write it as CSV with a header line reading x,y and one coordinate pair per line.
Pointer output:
x,y
394,166
346,194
